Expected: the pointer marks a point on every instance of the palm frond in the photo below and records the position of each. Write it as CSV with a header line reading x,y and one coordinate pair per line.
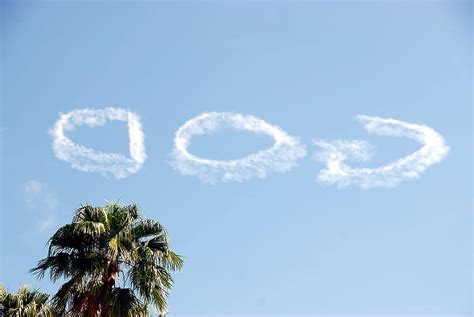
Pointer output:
x,y
172,261
123,302
25,303
147,228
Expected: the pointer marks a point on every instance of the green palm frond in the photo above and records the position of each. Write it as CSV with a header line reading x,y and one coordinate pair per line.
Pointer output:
x,y
141,310
123,302
25,303
69,239
88,213
171,261
148,228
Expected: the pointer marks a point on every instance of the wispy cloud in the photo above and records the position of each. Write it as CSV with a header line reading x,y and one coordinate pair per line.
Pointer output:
x,y
281,157
40,198
39,195
334,154
89,160
47,222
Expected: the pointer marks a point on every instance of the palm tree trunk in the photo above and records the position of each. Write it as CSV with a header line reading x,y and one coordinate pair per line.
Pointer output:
x,y
106,289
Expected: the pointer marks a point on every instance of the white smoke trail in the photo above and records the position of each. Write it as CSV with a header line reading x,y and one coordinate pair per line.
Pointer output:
x,y
89,160
411,166
281,157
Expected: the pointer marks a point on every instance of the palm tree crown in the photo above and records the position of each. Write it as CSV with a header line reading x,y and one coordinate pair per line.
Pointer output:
x,y
114,261
24,303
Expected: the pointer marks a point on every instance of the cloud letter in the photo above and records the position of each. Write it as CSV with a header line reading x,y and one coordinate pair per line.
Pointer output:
x,y
411,166
281,157
89,160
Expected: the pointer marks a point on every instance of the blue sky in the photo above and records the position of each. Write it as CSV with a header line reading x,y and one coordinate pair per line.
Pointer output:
x,y
284,244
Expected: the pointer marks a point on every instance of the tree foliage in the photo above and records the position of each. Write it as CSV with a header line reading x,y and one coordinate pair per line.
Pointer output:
x,y
115,263
25,303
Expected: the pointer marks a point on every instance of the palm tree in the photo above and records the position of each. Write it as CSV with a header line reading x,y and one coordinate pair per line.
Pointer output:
x,y
116,263
25,303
